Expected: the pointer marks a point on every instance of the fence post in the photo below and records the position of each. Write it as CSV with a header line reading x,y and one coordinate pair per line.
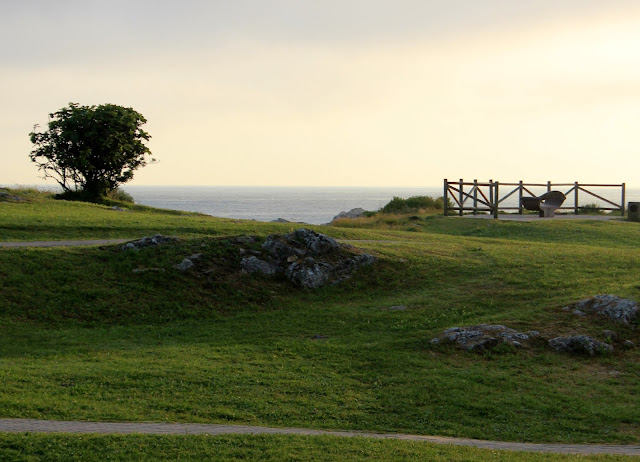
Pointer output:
x,y
520,198
575,197
623,199
475,197
461,197
548,186
491,192
497,200
446,197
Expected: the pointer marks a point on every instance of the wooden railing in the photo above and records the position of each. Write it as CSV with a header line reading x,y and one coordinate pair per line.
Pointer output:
x,y
477,197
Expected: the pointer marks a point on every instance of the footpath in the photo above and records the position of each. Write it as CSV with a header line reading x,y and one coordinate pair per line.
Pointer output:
x,y
58,426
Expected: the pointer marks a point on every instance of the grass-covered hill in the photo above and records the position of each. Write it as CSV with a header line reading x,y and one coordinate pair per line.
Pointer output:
x,y
86,337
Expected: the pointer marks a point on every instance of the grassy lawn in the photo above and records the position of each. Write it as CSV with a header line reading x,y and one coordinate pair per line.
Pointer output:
x,y
84,337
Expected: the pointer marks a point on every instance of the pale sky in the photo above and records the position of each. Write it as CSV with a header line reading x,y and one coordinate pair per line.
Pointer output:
x,y
337,93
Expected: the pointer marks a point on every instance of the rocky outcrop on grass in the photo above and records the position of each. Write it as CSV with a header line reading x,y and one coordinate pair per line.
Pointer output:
x,y
153,241
5,196
582,344
615,308
353,213
306,258
485,336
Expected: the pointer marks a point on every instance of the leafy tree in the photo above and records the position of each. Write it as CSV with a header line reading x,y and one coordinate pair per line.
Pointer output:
x,y
91,149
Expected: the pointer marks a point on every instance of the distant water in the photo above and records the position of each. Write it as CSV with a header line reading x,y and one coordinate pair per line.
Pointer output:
x,y
313,205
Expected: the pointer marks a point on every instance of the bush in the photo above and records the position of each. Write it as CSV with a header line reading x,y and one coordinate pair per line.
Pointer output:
x,y
413,204
121,196
114,197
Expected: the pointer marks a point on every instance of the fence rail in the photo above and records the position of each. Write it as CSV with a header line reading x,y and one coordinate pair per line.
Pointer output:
x,y
485,197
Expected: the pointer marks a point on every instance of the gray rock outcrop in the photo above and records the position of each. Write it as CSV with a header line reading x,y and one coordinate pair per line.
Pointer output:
x,y
353,213
580,344
153,241
484,336
618,309
306,258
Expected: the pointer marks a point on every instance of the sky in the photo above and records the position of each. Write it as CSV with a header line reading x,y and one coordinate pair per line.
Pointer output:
x,y
336,93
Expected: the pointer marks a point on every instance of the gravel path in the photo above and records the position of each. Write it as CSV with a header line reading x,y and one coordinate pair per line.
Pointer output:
x,y
62,243
56,426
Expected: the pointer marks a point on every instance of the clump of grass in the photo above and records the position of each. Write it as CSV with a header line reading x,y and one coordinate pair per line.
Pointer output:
x,y
590,209
413,204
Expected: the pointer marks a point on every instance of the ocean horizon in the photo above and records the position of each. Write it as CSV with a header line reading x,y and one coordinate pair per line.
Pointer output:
x,y
305,204
310,204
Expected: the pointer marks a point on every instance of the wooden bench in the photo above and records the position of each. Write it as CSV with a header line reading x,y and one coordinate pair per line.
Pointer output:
x,y
546,205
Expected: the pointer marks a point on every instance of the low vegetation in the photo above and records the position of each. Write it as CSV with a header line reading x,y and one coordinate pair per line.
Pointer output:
x,y
86,337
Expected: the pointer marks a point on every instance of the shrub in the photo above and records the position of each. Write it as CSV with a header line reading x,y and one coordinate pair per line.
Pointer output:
x,y
413,204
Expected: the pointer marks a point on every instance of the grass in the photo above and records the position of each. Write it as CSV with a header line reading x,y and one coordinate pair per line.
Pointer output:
x,y
19,448
84,337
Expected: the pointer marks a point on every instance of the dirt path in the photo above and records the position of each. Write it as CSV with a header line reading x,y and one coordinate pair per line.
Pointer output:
x,y
62,243
56,426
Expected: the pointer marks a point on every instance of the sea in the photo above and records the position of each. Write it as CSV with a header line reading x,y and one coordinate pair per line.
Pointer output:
x,y
312,205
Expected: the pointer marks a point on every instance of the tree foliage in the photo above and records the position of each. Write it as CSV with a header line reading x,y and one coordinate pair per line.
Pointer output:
x,y
91,149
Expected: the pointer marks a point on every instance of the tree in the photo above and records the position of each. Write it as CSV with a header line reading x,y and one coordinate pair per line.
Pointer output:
x,y
91,149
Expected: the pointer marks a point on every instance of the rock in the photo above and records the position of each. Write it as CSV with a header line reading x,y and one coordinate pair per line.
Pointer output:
x,y
306,258
118,209
154,241
483,336
615,308
280,220
353,213
184,265
320,337
610,335
628,344
145,270
5,196
579,313
253,265
580,344
398,308
310,275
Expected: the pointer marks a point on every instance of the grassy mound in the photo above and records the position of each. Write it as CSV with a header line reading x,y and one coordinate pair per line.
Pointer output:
x,y
86,337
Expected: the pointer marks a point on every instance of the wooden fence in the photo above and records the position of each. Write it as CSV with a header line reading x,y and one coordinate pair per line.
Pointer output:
x,y
476,197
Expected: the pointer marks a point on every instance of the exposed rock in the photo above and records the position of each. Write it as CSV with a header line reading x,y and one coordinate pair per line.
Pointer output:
x,y
253,265
5,196
618,309
118,209
184,265
309,274
483,336
153,241
580,344
628,344
353,213
610,334
280,220
397,308
306,258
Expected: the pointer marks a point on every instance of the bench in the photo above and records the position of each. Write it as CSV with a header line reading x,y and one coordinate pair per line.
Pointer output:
x,y
546,205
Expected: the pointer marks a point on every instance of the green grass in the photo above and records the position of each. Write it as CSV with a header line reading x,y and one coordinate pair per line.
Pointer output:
x,y
83,337
28,448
